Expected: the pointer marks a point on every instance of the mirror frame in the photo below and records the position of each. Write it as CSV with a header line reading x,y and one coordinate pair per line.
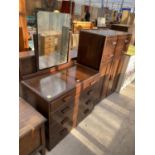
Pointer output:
x,y
36,50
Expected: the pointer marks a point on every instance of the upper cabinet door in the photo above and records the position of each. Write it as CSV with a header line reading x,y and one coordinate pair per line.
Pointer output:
x,y
90,49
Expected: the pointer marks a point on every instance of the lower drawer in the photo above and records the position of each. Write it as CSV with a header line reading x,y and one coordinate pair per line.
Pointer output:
x,y
55,138
30,142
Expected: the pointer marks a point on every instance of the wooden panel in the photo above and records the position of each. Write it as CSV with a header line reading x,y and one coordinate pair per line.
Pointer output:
x,y
30,142
90,49
110,45
27,63
31,124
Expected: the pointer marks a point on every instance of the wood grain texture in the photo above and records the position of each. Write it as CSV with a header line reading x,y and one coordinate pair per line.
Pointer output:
x,y
31,130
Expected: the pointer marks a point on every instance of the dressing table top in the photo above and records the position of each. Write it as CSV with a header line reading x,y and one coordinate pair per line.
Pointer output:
x,y
51,85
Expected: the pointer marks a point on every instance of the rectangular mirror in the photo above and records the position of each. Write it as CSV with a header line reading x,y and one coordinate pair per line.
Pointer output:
x,y
53,38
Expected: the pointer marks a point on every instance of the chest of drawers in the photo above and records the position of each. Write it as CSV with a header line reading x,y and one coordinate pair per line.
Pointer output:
x,y
59,96
102,50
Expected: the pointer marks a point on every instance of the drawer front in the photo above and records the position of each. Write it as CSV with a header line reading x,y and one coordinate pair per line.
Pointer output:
x,y
56,138
127,42
122,44
63,118
30,142
63,100
90,82
110,47
105,68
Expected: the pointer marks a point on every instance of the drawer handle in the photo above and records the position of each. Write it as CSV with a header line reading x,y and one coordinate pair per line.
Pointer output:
x,y
110,56
66,99
65,110
63,131
126,41
86,111
114,43
65,120
90,92
88,102
92,83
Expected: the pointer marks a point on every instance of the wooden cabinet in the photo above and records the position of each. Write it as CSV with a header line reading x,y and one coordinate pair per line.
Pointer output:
x,y
59,97
102,50
31,132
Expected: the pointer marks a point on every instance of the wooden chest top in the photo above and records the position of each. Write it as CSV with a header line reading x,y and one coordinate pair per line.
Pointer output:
x,y
29,118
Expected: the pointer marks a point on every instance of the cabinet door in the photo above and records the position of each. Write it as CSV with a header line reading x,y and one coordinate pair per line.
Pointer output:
x,y
90,50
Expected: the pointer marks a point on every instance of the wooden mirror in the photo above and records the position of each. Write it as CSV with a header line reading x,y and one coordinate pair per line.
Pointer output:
x,y
53,38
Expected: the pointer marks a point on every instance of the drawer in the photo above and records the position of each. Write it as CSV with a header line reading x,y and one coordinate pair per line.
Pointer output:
x,y
90,82
83,113
63,100
56,138
110,46
30,142
86,104
62,118
122,44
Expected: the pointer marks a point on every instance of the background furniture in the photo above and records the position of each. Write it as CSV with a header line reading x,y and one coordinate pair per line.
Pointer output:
x,y
31,130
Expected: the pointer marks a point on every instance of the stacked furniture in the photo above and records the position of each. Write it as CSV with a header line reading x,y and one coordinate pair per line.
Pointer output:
x,y
31,130
66,94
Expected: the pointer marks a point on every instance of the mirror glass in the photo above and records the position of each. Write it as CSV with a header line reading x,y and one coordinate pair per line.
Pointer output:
x,y
53,38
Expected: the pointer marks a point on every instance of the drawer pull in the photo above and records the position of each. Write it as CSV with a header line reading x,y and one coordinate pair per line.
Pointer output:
x,y
86,111
90,92
65,120
92,83
88,102
65,110
114,43
63,131
66,99
126,41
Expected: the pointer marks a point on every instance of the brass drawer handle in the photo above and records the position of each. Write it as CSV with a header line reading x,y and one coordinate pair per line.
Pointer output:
x,y
114,43
66,99
65,110
86,111
88,102
126,41
92,83
90,92
65,120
